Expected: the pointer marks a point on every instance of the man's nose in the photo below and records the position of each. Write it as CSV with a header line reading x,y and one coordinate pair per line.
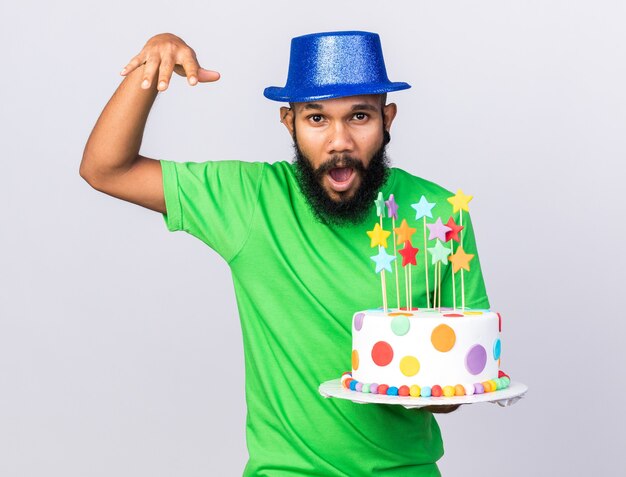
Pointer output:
x,y
339,139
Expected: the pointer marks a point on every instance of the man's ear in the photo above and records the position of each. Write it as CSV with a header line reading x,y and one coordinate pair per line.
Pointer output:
x,y
286,117
389,113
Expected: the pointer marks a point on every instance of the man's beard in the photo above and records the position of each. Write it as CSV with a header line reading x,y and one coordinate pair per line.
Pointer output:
x,y
345,210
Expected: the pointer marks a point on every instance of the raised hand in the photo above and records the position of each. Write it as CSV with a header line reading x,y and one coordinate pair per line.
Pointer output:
x,y
165,53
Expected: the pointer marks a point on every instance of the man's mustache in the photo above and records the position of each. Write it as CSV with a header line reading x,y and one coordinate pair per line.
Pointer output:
x,y
339,161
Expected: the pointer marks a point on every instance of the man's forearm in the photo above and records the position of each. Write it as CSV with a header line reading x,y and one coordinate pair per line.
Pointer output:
x,y
442,409
114,143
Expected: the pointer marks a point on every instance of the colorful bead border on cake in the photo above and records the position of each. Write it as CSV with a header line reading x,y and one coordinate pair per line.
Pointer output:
x,y
491,385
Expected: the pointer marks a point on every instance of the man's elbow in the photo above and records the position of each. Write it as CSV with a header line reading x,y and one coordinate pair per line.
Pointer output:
x,y
90,176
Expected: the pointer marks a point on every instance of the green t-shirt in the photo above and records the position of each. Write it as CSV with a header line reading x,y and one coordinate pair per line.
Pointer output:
x,y
298,283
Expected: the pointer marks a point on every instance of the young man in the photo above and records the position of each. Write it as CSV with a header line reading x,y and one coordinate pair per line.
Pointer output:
x,y
293,234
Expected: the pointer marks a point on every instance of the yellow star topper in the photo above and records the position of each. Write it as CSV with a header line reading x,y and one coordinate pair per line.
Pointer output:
x,y
460,259
460,201
404,232
378,236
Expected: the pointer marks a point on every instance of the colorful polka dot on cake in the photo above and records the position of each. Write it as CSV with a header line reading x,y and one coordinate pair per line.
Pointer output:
x,y
382,353
497,348
409,366
476,359
358,321
355,359
400,325
443,338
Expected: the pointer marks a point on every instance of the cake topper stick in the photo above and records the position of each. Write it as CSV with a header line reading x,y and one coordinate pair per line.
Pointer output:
x,y
460,203
426,266
439,274
423,209
380,207
410,307
406,288
435,286
451,236
460,260
439,254
453,284
384,285
462,273
408,258
392,211
404,234
383,262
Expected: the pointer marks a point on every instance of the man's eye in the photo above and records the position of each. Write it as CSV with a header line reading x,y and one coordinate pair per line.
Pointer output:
x,y
360,116
316,118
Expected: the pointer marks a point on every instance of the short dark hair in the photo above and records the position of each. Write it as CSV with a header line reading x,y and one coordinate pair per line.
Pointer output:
x,y
383,101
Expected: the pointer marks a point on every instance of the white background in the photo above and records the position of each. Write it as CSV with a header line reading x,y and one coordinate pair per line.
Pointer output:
x,y
120,345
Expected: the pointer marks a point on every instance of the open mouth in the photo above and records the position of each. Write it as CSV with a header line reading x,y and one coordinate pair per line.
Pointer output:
x,y
341,178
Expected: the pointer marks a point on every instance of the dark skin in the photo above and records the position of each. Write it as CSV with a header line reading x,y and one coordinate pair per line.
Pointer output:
x,y
111,161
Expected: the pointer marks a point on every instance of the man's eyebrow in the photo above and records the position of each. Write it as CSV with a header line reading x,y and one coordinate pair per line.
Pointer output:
x,y
364,106
312,106
355,107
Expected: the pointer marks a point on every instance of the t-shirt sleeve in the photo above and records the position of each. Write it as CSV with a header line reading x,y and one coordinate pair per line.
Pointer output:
x,y
214,201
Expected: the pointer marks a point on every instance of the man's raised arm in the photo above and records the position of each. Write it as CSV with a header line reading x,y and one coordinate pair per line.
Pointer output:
x,y
111,162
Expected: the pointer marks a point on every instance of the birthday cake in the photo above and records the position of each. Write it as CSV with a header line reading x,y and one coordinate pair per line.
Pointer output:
x,y
426,352
434,351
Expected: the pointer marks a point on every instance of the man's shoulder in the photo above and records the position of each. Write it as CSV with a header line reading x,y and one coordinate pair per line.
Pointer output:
x,y
404,179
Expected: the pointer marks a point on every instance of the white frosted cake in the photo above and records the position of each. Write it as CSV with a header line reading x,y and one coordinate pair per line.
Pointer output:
x,y
426,352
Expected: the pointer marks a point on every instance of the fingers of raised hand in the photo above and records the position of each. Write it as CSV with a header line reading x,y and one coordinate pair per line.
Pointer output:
x,y
190,67
165,57
165,73
208,75
149,70
131,65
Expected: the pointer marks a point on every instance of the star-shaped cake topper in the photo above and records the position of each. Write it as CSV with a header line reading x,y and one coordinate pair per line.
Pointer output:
x,y
460,259
392,207
438,230
423,208
404,232
453,233
439,253
383,260
380,204
408,254
460,201
378,236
